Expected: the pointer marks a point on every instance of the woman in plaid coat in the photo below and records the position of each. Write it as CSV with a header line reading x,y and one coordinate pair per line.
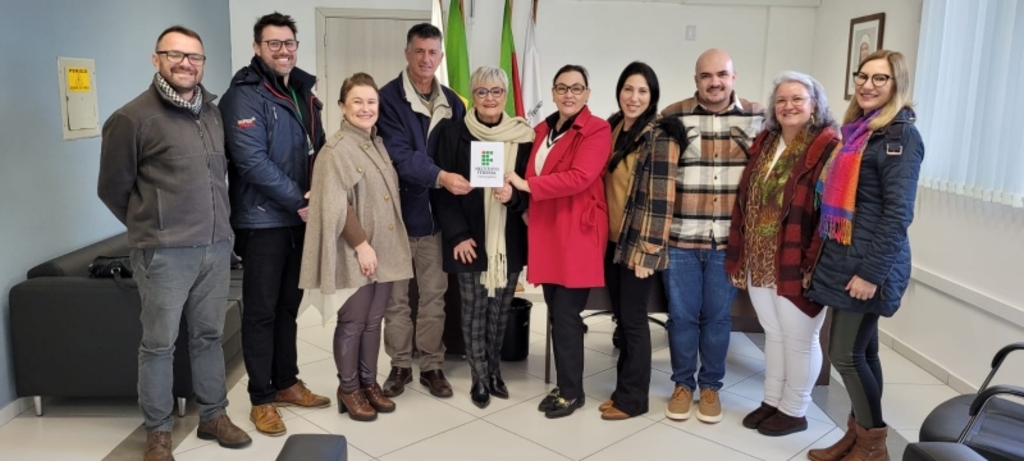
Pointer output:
x,y
640,191
773,245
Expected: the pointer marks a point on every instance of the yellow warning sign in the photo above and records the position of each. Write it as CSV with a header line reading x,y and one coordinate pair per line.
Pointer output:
x,y
78,79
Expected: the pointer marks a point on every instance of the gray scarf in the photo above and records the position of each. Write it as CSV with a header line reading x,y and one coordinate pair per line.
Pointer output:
x,y
193,106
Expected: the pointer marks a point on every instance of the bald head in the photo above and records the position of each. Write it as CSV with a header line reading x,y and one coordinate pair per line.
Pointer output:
x,y
714,78
713,60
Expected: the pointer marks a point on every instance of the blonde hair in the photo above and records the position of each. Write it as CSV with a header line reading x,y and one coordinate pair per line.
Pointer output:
x,y
900,92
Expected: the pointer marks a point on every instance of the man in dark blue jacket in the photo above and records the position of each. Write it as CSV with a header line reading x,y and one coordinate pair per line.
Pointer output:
x,y
273,130
411,106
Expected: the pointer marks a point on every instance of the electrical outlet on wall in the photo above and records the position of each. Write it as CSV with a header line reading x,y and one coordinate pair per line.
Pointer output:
x,y
691,33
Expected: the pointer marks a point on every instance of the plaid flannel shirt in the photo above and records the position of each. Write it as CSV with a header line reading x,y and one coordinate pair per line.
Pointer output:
x,y
710,168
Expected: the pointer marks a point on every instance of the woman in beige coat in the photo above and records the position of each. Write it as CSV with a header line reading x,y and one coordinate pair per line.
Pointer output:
x,y
355,239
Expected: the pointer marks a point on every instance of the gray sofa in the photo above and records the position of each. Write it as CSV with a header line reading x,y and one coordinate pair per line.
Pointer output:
x,y
76,336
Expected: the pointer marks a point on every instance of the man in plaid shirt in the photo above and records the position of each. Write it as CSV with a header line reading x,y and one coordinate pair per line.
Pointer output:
x,y
720,128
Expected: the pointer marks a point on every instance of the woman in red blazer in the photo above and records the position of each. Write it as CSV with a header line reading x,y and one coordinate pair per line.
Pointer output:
x,y
568,225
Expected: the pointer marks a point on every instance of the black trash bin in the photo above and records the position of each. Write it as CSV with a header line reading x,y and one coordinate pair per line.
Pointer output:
x,y
516,345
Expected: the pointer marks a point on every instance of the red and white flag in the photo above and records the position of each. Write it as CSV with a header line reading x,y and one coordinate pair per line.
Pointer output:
x,y
531,82
437,20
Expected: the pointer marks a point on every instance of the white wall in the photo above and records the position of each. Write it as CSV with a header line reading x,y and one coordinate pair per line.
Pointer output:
x,y
606,36
966,299
789,45
602,36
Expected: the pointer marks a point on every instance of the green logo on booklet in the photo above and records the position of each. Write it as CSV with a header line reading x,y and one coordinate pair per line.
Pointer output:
x,y
488,157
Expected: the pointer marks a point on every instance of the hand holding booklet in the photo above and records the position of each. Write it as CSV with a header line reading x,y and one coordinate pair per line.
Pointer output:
x,y
487,164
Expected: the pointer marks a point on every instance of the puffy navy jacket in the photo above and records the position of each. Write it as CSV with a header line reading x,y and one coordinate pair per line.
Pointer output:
x,y
268,146
409,142
880,250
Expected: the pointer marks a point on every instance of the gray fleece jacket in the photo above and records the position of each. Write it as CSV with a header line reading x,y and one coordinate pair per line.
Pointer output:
x,y
163,172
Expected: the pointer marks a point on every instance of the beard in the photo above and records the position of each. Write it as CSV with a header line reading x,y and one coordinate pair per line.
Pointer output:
x,y
281,70
706,97
181,83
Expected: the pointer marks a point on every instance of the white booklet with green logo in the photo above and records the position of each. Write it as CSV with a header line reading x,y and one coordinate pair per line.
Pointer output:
x,y
487,164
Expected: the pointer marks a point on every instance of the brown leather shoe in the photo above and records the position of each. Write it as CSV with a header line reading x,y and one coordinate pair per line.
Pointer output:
x,y
435,381
298,395
158,447
377,400
756,417
267,420
839,449
605,406
358,408
394,386
614,414
226,433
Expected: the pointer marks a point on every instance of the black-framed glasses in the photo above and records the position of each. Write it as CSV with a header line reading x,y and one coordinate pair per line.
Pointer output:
x,y
275,45
861,78
175,57
576,89
483,92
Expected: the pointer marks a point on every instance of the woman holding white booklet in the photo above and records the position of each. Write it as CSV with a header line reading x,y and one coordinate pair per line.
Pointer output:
x,y
483,232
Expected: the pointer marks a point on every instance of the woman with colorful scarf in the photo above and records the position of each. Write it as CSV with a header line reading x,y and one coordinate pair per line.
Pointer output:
x,y
867,194
773,245
483,232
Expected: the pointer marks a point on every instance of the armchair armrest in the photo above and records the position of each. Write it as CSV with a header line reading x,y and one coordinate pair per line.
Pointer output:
x,y
982,400
997,361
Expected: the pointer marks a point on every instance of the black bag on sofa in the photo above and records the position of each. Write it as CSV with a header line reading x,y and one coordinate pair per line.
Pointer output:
x,y
110,266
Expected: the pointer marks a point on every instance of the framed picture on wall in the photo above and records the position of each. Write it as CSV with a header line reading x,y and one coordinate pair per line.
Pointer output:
x,y
865,38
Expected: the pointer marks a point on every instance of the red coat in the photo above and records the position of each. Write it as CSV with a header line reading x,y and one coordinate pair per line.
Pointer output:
x,y
568,215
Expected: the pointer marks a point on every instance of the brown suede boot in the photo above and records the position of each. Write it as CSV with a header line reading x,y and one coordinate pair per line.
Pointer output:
x,y
840,448
358,408
158,447
377,400
226,433
870,445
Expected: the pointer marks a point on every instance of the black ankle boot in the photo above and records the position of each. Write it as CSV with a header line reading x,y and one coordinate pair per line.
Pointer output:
x,y
480,394
498,388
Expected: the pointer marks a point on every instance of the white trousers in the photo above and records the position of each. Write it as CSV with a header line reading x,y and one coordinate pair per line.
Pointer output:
x,y
792,350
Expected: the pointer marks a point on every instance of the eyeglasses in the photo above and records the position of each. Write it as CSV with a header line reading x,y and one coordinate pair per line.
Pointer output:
x,y
175,57
797,102
275,45
576,89
861,78
483,92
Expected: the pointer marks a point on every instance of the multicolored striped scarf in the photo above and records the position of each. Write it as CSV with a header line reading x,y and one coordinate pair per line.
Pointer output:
x,y
837,187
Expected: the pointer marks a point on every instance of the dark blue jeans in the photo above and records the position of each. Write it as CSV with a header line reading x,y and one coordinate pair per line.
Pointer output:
x,y
700,298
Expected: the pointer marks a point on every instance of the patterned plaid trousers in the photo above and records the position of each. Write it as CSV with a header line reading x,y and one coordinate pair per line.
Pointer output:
x,y
483,322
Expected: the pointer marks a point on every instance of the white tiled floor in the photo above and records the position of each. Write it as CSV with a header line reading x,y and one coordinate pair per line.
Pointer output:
x,y
427,428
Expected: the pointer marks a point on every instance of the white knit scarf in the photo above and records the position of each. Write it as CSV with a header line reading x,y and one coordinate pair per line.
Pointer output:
x,y
512,131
